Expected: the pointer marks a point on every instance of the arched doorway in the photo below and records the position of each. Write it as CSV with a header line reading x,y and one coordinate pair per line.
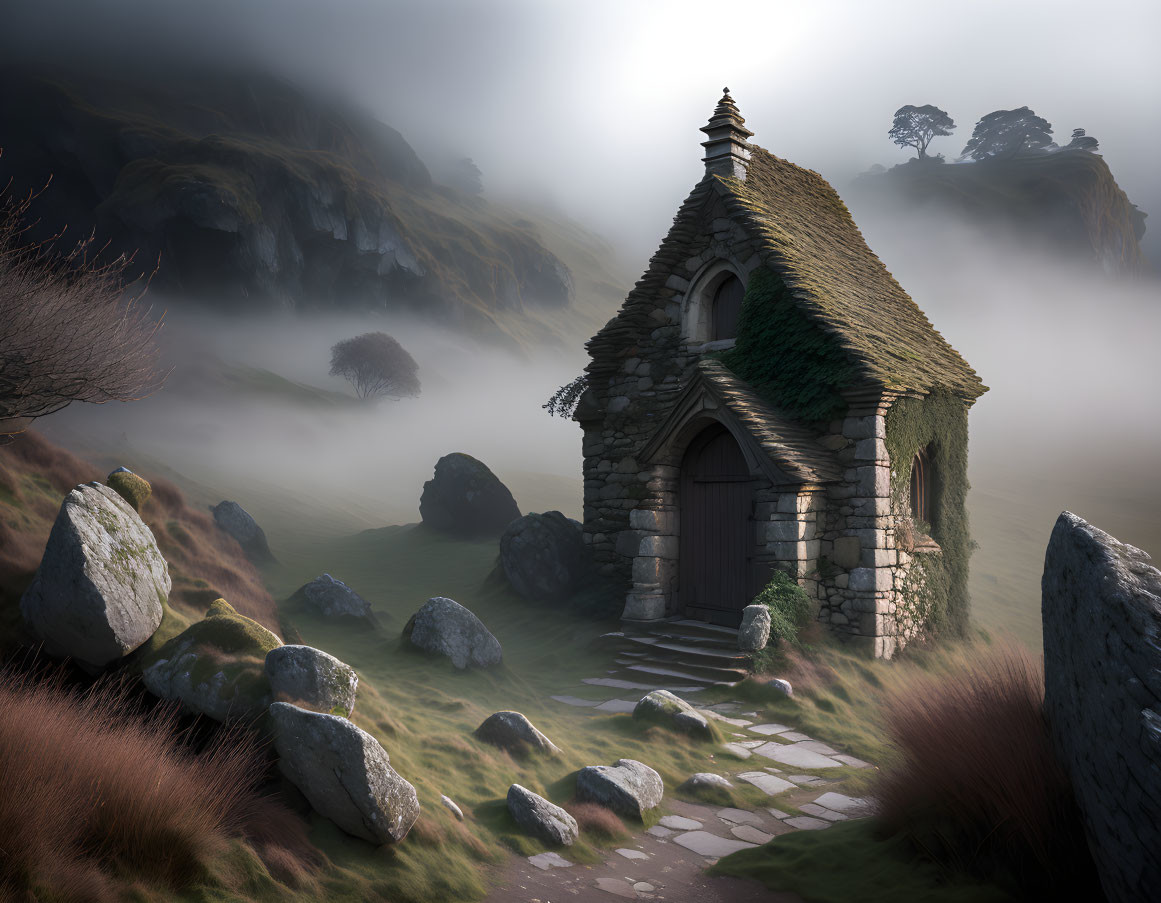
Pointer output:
x,y
717,542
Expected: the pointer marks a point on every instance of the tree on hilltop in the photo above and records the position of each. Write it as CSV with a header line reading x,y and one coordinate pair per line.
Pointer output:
x,y
68,330
376,365
916,126
1009,133
1081,141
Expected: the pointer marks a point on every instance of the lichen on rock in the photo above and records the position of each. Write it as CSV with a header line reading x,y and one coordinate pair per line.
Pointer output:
x,y
101,586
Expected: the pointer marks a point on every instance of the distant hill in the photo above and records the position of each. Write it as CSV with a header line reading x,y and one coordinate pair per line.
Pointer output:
x,y
1067,201
258,195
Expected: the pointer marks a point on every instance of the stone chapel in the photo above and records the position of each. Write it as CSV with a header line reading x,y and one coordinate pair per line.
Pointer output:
x,y
769,397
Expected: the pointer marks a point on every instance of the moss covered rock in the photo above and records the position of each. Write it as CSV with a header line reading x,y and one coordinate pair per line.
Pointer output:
x,y
132,488
216,667
664,708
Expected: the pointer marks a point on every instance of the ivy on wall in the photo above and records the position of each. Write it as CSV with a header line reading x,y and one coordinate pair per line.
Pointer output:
x,y
938,584
788,359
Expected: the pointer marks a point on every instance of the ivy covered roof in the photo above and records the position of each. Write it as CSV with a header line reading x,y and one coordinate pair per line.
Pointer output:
x,y
806,235
809,238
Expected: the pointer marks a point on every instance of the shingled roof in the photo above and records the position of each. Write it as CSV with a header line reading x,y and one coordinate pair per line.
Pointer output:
x,y
807,236
791,447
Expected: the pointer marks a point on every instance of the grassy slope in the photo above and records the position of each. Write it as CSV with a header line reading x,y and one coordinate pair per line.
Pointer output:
x,y
873,870
203,562
424,712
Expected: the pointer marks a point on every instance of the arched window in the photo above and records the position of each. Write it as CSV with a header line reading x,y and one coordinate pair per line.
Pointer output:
x,y
726,308
921,487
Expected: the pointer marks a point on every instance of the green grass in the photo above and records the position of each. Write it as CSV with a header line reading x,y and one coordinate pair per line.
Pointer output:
x,y
849,862
424,712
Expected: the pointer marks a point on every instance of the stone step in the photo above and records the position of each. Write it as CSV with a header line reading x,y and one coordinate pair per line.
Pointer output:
x,y
715,676
690,624
720,670
726,657
729,644
627,683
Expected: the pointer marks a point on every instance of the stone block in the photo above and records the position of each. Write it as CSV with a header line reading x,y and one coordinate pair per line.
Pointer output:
x,y
872,449
648,571
873,481
783,531
879,558
658,546
618,404
866,579
847,551
872,426
644,606
654,520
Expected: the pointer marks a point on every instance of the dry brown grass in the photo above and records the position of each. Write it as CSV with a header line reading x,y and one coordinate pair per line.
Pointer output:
x,y
93,789
597,823
976,785
204,562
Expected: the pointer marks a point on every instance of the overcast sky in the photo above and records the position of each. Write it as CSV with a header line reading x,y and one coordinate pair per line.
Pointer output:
x,y
594,105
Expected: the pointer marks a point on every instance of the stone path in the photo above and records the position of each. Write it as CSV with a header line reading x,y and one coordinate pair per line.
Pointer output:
x,y
667,862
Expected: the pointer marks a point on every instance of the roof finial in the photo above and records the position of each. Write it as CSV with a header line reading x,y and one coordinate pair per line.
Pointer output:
x,y
726,151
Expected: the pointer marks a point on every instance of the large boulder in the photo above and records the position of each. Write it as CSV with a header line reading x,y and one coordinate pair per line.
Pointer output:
x,y
445,627
311,679
664,708
539,817
515,733
465,498
1101,606
216,667
101,586
754,633
543,556
628,788
334,599
344,773
234,520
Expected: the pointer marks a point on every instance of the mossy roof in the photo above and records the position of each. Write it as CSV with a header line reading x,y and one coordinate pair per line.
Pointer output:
x,y
791,447
805,233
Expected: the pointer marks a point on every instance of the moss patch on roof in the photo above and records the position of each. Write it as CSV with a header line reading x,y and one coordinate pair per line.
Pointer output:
x,y
789,360
808,237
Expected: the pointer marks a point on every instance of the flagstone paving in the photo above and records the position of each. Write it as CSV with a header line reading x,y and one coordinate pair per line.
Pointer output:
x,y
667,860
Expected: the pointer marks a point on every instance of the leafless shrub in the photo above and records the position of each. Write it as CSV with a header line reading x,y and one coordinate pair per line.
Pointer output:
x,y
977,787
68,330
96,794
376,365
565,399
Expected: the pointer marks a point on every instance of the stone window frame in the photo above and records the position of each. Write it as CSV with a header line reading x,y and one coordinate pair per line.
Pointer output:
x,y
696,306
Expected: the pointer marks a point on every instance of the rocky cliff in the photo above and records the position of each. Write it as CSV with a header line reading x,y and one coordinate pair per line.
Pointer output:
x,y
1067,202
258,195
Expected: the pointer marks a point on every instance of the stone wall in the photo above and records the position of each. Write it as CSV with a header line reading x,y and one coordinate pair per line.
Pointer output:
x,y
838,540
1101,606
635,397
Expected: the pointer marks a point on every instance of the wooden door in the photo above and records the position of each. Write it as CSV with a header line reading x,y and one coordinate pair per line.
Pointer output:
x,y
717,534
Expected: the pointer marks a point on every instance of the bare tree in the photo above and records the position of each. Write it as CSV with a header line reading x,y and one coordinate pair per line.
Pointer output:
x,y
68,329
376,365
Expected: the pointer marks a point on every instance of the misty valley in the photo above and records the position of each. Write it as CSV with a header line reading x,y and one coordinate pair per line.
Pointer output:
x,y
378,525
